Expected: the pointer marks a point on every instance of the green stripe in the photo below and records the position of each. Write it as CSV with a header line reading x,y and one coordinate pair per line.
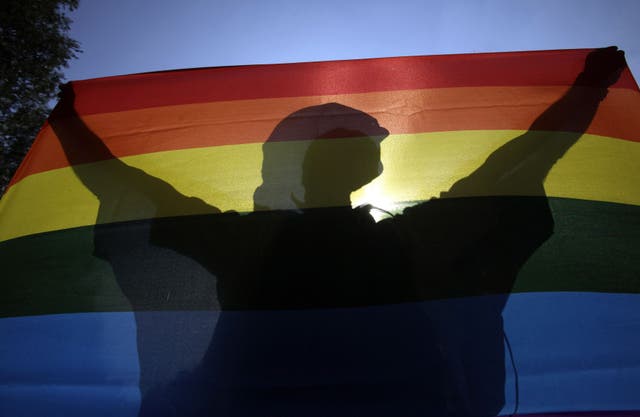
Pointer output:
x,y
595,247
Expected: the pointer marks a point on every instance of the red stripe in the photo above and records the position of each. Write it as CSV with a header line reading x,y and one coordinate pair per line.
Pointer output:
x,y
333,77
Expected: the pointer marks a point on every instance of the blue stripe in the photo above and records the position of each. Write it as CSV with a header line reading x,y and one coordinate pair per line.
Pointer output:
x,y
572,352
69,365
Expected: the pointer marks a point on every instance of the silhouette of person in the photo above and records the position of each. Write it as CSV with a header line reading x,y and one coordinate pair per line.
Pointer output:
x,y
321,305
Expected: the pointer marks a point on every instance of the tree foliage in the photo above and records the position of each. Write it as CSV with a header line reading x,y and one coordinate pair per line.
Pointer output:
x,y
34,47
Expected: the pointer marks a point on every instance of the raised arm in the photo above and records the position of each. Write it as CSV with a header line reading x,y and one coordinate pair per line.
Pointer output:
x,y
522,164
117,185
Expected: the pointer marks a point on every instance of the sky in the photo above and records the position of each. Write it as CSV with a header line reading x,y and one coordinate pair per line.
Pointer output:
x,y
133,36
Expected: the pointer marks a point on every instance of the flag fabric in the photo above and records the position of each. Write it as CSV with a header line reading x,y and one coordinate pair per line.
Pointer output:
x,y
453,235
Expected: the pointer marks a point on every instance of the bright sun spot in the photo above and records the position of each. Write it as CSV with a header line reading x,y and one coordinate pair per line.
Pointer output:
x,y
373,194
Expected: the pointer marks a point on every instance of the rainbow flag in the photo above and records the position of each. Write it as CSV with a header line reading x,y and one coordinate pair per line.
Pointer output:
x,y
437,235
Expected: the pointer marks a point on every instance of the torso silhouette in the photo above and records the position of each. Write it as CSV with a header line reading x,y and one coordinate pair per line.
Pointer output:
x,y
331,260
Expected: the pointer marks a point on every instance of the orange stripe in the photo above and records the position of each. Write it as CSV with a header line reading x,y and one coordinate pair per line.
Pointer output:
x,y
401,112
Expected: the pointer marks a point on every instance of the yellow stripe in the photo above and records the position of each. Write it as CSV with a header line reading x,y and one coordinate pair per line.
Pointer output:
x,y
416,167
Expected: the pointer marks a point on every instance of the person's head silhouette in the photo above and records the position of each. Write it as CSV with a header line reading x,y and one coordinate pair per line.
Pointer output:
x,y
317,156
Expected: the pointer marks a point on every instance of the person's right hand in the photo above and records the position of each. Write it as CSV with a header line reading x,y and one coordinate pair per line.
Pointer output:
x,y
66,101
